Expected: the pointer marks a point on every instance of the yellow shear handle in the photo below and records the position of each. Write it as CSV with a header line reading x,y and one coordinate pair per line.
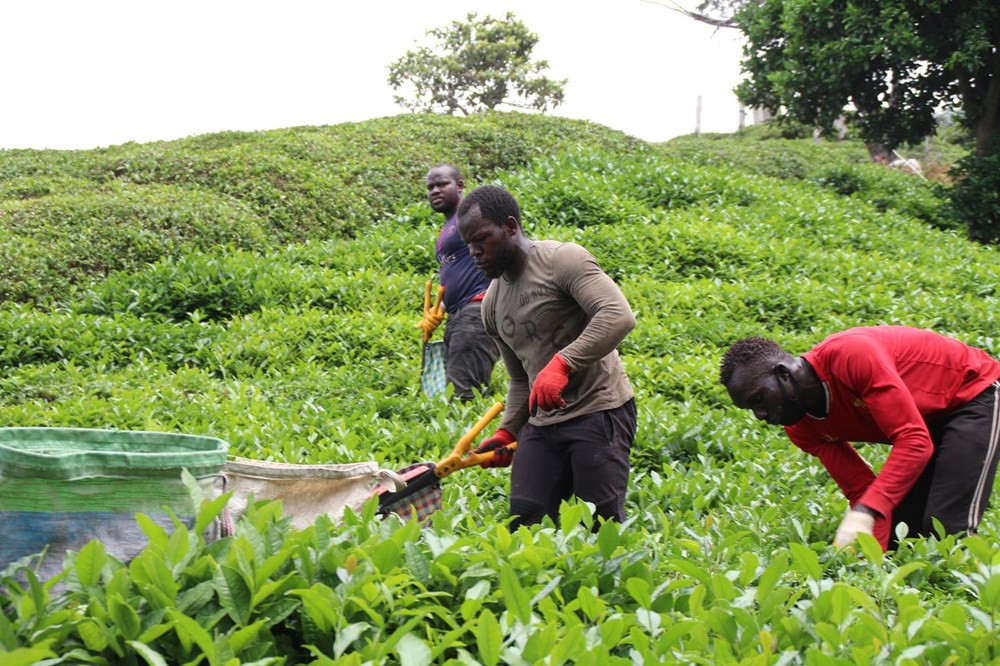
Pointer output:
x,y
427,297
455,459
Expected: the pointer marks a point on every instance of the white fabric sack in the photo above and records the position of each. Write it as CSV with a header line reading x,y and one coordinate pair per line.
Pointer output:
x,y
305,491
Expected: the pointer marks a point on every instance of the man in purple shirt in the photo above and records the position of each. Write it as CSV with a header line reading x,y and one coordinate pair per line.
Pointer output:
x,y
470,353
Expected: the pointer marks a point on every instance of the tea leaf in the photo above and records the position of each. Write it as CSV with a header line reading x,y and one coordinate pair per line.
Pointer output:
x,y
514,596
806,560
124,616
413,651
607,538
26,656
234,593
345,636
871,548
488,638
189,630
417,563
152,657
89,562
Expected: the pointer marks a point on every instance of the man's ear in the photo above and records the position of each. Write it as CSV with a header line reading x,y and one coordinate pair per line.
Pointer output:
x,y
511,225
783,371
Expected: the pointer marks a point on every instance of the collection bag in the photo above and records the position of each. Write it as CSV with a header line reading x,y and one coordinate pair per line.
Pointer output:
x,y
305,491
62,487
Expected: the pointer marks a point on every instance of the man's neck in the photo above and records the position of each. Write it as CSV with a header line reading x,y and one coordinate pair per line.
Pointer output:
x,y
814,391
519,260
450,213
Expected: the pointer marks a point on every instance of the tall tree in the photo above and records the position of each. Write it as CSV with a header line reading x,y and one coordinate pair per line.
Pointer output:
x,y
896,62
475,65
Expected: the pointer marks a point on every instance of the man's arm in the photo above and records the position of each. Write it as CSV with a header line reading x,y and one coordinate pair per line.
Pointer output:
x,y
867,367
577,272
516,409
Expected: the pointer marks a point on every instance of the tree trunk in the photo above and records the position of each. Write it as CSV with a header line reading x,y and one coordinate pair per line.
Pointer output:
x,y
878,152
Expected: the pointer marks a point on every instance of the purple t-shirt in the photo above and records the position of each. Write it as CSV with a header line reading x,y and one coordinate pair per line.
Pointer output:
x,y
459,275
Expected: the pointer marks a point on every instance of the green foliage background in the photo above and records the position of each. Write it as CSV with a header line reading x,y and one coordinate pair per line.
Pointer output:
x,y
263,288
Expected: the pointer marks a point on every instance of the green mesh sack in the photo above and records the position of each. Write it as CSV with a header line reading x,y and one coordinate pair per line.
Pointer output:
x,y
62,487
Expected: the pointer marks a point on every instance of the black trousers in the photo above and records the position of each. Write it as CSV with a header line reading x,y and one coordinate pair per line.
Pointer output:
x,y
587,456
956,484
469,351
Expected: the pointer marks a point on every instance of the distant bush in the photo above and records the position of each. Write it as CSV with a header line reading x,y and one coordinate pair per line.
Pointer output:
x,y
33,187
585,188
781,158
221,286
53,242
975,197
887,189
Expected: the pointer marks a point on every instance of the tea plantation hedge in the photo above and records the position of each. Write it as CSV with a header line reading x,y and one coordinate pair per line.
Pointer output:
x,y
263,288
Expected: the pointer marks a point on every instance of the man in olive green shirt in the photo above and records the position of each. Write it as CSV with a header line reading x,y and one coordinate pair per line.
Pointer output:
x,y
557,319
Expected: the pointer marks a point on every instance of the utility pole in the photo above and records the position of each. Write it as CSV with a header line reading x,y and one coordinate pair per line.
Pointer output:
x,y
697,121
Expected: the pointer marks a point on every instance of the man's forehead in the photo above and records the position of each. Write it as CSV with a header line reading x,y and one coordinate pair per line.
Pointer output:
x,y
471,216
748,378
441,173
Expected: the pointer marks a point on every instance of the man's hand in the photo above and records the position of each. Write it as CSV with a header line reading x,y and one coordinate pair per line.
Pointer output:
x,y
502,457
430,321
546,391
853,524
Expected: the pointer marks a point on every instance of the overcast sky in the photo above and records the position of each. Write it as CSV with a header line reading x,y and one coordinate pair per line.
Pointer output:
x,y
89,73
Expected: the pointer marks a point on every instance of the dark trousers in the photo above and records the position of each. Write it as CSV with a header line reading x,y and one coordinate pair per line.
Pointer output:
x,y
955,486
469,352
587,456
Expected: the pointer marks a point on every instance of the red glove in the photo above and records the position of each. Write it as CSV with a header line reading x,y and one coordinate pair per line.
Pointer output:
x,y
546,392
502,457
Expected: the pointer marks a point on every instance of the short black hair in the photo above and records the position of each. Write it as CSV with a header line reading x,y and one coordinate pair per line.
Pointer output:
x,y
747,351
456,174
495,204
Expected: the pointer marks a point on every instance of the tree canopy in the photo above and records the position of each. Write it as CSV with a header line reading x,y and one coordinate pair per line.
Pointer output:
x,y
895,62
475,65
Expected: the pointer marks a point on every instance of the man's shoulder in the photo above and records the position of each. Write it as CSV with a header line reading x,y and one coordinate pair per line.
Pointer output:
x,y
850,341
554,251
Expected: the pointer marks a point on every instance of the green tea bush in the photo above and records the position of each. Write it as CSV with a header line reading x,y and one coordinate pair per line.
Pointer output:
x,y
75,239
98,211
33,337
975,198
307,352
34,187
778,158
225,285
887,189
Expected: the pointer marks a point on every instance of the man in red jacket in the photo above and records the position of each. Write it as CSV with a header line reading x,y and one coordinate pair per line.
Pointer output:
x,y
933,398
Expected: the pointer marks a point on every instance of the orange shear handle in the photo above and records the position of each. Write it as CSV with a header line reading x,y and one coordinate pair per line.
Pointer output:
x,y
460,458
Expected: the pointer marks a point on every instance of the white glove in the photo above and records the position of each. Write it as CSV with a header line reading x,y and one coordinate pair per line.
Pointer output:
x,y
853,524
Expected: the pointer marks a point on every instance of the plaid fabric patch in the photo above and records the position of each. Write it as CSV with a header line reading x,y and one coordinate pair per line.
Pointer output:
x,y
424,501
433,377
